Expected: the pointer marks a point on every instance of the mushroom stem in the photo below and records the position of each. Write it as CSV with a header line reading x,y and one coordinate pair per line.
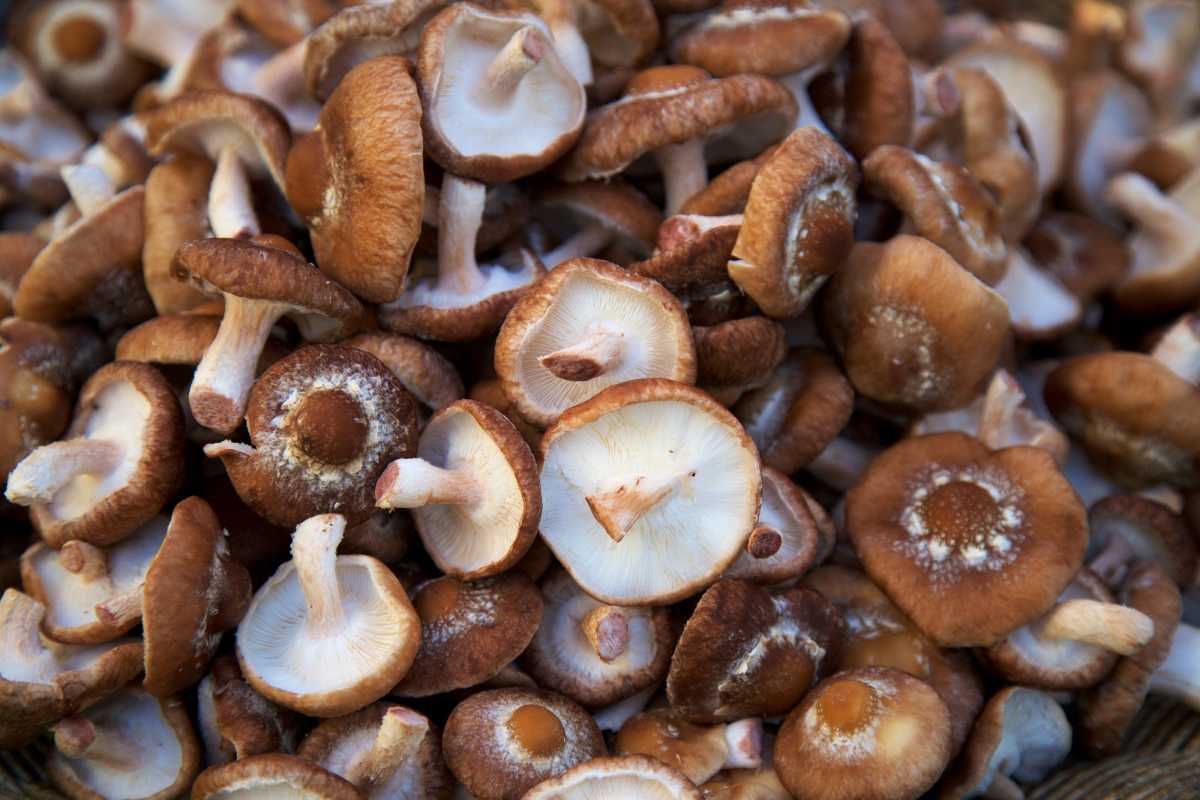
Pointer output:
x,y
587,241
522,52
797,84
608,632
1179,348
20,626
841,463
572,49
85,560
460,213
49,468
1144,203
684,172
619,509
225,374
230,207
90,188
764,542
596,354
122,609
80,738
1179,675
1112,626
415,483
282,76
1000,404
744,740
1003,787
401,732
1112,562
314,552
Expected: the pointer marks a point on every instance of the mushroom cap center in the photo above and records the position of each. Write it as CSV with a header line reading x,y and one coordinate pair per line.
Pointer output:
x,y
79,38
847,706
329,426
537,730
437,600
960,513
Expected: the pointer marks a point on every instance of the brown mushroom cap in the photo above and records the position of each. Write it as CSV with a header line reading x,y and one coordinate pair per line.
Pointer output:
x,y
500,743
793,534
868,733
879,102
1128,528
587,217
35,388
272,773
594,653
235,721
176,212
698,752
970,543
425,372
17,253
624,776
1083,254
738,355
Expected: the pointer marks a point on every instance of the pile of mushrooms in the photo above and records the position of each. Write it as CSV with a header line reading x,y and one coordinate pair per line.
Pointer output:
x,y
653,399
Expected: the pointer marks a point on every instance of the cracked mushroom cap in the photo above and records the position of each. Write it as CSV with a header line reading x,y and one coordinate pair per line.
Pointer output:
x,y
35,388
869,733
327,634
502,742
638,777
42,681
746,652
584,327
799,223
596,654
697,751
470,631
1022,735
427,374
235,721
738,355
17,253
793,534
1128,528
473,490
385,750
584,218
970,543
176,212
911,326
499,103
272,775
119,462
92,595
129,745
325,422
649,491
360,187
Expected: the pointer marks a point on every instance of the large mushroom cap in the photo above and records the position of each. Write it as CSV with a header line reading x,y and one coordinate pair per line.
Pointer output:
x,y
649,490
272,775
638,777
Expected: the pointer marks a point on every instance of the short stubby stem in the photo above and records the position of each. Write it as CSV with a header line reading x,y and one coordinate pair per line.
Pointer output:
x,y
122,610
607,630
230,204
520,54
80,738
85,560
1114,627
744,740
588,241
400,734
314,552
596,354
764,542
797,84
1179,348
89,186
39,476
460,214
684,172
1000,404
415,483
618,510
1179,675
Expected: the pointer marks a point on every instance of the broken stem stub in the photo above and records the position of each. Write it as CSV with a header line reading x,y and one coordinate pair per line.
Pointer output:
x,y
597,353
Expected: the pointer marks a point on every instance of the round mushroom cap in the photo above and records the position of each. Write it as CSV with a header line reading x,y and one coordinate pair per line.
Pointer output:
x,y
793,534
870,733
649,491
470,631
639,777
35,388
737,355
272,775
969,543
593,653
912,327
176,211
499,103
629,219
427,374
502,742
878,102
360,187
1126,528
584,327
746,652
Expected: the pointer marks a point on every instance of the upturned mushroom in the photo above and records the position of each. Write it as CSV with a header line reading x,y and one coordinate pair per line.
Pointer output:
x,y
628,775
236,722
327,634
793,534
268,774
698,751
585,218
1129,528
587,326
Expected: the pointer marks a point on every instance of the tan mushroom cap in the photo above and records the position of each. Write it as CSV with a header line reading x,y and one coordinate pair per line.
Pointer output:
x,y
697,751
128,745
594,653
181,340
272,774
176,212
587,217
640,475
427,374
17,253
638,777
235,721
119,461
1086,256
470,631
970,543
738,355
869,733
880,104
799,223
35,388
912,327
586,326
1170,155
327,634
793,534
284,22
502,742
1128,528
42,681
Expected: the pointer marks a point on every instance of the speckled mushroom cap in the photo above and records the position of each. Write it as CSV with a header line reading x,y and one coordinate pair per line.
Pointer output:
x,y
586,217
586,326
234,721
42,681
327,634
746,652
943,203
470,631
1128,528
387,751
638,777
594,653
17,252
473,490
129,745
272,774
869,733
35,388
425,372
970,543
119,461
793,534
92,595
479,72
324,421
360,188
690,258
1021,734
176,212
912,327
500,743
639,476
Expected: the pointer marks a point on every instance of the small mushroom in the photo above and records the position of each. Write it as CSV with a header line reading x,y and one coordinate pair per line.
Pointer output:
x,y
738,355
1129,528
1084,255
866,733
697,751
596,654
1169,155
35,388
585,218
235,721
501,743
584,327
129,745
426,373
473,490
793,534
629,776
121,459
272,774
176,212
748,783
649,491
746,652
327,634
